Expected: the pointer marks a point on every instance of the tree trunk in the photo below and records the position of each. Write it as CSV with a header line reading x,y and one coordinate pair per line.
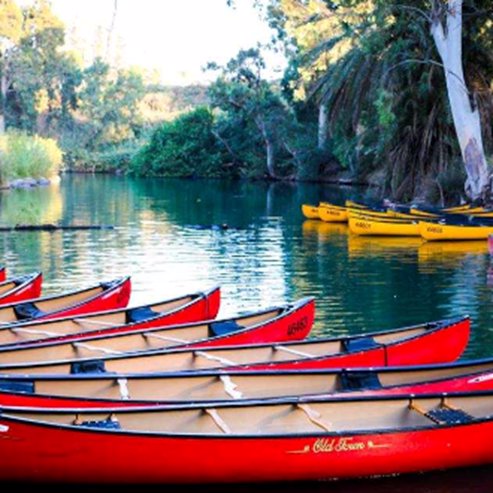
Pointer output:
x,y
323,126
3,106
269,147
465,116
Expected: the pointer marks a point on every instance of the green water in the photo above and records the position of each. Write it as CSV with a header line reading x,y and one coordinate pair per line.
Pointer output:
x,y
267,255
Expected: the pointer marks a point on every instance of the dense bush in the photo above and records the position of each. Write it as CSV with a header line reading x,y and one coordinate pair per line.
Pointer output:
x,y
23,156
185,147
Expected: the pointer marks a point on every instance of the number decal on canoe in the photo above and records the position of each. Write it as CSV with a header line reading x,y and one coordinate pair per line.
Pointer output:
x,y
297,326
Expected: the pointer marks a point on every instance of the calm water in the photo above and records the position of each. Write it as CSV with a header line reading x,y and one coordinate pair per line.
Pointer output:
x,y
165,238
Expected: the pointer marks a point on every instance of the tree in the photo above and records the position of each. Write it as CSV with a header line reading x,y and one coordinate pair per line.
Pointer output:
x,y
10,32
386,97
242,93
108,104
446,28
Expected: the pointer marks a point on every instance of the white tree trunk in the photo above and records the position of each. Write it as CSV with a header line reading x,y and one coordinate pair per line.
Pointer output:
x,y
466,117
3,92
323,126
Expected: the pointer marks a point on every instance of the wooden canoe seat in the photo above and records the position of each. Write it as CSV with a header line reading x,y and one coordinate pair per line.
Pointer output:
x,y
110,423
314,416
223,328
24,386
220,423
27,310
359,380
140,314
444,414
359,344
93,366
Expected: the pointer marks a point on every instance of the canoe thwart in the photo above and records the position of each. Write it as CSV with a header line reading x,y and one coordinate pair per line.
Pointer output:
x,y
314,416
218,359
230,387
123,386
89,347
292,351
165,338
220,423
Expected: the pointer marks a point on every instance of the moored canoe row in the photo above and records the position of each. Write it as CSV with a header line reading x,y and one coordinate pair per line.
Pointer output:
x,y
459,223
129,386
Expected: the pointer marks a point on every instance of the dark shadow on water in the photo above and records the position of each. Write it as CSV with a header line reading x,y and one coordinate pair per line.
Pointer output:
x,y
471,480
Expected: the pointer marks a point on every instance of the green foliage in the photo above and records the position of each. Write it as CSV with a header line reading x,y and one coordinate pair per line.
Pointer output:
x,y
185,147
24,156
108,105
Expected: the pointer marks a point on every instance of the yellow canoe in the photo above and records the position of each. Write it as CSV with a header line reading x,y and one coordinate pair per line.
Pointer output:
x,y
436,231
332,214
310,211
369,226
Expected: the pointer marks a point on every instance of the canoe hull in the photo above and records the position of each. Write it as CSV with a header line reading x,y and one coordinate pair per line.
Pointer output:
x,y
436,232
310,211
367,226
440,346
30,288
60,454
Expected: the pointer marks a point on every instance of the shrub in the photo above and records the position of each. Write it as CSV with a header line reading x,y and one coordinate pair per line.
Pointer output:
x,y
23,156
185,147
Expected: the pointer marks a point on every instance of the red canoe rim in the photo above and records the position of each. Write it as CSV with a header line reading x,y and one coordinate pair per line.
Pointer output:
x,y
242,403
206,295
108,402
107,287
286,311
436,326
234,372
21,283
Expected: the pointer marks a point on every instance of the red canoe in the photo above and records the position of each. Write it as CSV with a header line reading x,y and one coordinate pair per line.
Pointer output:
x,y
434,342
287,322
253,441
193,307
3,273
123,390
103,296
21,288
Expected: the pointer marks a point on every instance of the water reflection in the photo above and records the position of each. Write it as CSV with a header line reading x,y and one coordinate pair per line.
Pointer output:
x,y
404,246
470,480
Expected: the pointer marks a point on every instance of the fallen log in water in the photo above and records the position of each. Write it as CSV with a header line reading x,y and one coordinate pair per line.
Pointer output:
x,y
53,227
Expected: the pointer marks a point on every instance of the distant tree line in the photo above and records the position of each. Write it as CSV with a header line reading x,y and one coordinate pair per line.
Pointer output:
x,y
375,91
